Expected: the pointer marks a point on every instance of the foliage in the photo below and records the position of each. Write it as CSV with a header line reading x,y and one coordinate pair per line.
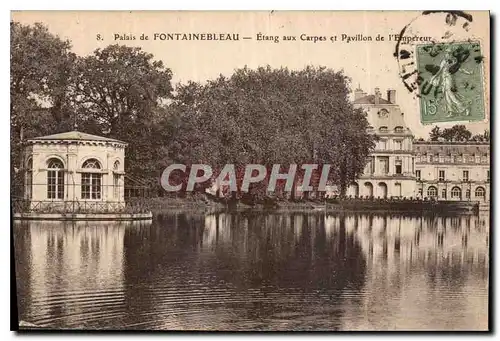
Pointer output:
x,y
40,71
118,91
41,68
272,116
119,86
458,133
263,116
485,137
435,133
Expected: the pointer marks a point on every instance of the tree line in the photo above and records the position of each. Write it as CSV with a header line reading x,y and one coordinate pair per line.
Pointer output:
x,y
264,116
457,133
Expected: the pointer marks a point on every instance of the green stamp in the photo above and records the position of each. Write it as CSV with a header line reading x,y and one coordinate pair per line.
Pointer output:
x,y
450,80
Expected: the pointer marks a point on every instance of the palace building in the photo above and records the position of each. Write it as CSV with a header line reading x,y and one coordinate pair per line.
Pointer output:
x,y
402,167
390,171
453,170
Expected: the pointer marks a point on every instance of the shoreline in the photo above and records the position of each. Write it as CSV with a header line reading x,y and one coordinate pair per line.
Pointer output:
x,y
157,205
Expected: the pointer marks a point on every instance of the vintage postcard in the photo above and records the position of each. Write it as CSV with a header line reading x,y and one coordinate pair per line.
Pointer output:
x,y
251,171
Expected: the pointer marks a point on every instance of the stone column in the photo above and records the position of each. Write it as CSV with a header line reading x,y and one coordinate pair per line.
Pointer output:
x,y
39,178
108,189
72,177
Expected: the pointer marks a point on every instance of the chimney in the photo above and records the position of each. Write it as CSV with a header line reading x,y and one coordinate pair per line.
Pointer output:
x,y
358,93
377,95
391,96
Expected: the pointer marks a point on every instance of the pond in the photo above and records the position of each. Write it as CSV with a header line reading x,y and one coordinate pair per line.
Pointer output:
x,y
254,271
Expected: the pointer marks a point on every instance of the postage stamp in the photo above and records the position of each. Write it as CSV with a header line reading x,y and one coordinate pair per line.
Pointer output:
x,y
450,82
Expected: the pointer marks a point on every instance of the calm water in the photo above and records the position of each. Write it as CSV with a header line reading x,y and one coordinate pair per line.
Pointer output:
x,y
256,272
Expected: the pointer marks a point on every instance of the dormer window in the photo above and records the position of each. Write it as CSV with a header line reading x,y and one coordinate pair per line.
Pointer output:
x,y
383,129
398,129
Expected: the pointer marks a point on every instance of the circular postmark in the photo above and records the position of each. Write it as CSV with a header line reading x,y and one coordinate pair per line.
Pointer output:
x,y
440,61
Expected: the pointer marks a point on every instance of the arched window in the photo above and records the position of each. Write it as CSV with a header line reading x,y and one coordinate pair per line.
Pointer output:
x,y
382,189
480,192
91,180
399,189
369,189
432,192
398,129
116,180
92,163
55,179
383,129
456,193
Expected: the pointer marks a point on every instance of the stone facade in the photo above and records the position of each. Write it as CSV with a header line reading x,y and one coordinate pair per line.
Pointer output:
x,y
453,170
402,167
74,166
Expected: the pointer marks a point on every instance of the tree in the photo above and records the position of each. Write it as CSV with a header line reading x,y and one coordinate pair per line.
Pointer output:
x,y
272,116
485,137
41,69
120,91
457,133
352,151
435,133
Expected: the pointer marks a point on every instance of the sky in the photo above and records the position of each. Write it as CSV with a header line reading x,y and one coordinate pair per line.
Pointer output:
x,y
369,64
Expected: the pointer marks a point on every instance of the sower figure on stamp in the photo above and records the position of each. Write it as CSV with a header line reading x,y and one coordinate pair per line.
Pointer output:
x,y
455,103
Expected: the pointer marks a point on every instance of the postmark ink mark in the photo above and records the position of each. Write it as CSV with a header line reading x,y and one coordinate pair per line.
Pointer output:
x,y
451,16
404,54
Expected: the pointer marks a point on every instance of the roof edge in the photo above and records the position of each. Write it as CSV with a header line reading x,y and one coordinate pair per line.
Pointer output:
x,y
75,136
453,142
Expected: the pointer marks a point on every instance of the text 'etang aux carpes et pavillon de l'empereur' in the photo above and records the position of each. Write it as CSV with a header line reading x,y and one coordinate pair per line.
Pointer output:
x,y
343,37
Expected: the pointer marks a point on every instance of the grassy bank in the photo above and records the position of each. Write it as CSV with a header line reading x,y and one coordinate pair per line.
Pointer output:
x,y
160,204
205,203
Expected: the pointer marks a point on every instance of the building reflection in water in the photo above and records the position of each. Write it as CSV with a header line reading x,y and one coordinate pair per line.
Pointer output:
x,y
68,271
423,272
